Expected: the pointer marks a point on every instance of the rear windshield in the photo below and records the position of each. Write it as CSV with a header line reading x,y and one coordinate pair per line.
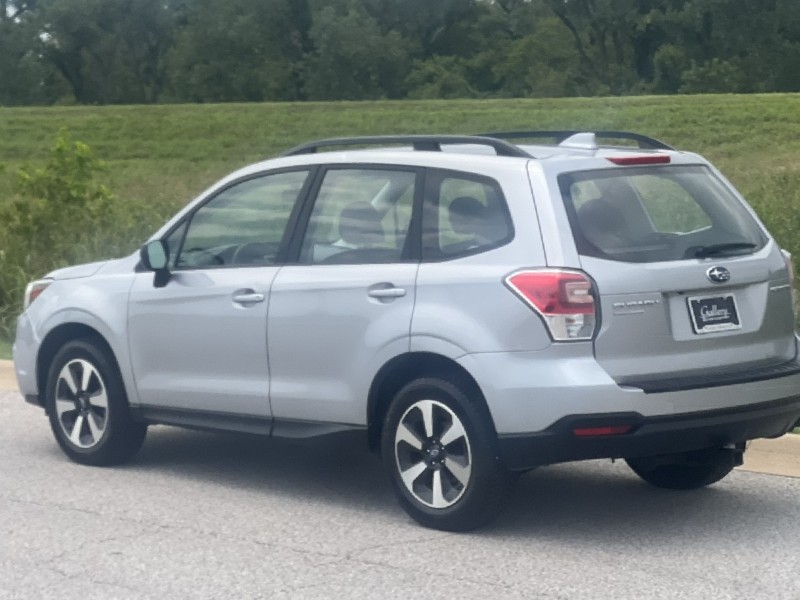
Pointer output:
x,y
657,214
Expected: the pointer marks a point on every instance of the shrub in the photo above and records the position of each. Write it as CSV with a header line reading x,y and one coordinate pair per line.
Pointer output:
x,y
61,215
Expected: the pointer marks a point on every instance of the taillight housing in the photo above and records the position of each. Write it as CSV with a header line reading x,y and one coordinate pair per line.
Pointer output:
x,y
564,299
34,289
787,257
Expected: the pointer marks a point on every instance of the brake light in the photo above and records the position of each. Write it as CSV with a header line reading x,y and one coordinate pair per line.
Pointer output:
x,y
648,159
564,299
787,257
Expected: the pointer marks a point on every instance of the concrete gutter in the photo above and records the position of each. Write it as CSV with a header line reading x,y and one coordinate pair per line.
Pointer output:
x,y
773,457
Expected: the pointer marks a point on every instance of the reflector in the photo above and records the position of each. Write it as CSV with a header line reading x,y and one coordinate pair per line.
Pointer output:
x,y
598,431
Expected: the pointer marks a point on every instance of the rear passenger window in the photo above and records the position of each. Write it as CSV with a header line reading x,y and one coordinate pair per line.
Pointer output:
x,y
360,216
463,215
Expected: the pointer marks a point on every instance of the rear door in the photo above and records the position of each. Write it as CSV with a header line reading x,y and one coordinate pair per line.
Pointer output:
x,y
689,282
344,309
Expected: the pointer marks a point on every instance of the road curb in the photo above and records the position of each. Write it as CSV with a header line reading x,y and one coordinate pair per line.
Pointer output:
x,y
8,381
773,457
780,456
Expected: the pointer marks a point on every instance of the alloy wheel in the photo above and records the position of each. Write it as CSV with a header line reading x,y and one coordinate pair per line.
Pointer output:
x,y
81,403
433,454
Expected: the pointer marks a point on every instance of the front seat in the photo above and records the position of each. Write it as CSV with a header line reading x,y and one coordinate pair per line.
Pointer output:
x,y
361,236
360,226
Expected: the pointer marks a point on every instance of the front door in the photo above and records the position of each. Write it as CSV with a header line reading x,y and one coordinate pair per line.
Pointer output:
x,y
200,342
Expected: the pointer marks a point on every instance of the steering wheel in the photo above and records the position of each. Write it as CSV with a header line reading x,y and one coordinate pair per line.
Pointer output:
x,y
199,257
251,253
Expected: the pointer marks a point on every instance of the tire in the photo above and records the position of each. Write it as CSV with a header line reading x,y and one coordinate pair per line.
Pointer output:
x,y
88,408
447,474
685,475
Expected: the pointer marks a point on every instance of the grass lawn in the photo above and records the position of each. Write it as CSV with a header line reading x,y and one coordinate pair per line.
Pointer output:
x,y
168,153
5,348
164,155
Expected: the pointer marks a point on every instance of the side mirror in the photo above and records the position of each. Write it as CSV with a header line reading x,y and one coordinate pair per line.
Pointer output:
x,y
155,257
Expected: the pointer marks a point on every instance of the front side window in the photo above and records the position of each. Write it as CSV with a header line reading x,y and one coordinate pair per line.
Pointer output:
x,y
243,225
657,214
463,215
360,216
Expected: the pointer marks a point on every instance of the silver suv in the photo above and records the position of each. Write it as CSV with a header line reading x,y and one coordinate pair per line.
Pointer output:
x,y
476,307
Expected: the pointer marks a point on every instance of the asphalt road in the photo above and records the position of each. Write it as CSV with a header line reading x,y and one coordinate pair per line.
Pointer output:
x,y
218,516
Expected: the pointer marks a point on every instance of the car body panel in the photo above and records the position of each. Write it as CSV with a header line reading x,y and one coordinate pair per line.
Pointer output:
x,y
95,296
328,337
194,347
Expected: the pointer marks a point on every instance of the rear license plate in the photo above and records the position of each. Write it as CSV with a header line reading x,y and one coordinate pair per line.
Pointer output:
x,y
714,313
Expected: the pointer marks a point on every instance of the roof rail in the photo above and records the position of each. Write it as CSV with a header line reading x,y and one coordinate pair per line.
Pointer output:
x,y
644,141
432,143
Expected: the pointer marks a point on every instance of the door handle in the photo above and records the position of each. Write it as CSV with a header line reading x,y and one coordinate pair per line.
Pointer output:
x,y
248,298
392,292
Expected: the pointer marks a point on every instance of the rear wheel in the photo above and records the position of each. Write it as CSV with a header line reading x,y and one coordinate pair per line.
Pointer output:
x,y
88,408
440,453
688,472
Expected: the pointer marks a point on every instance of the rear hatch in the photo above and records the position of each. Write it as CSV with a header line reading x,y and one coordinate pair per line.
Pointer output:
x,y
690,285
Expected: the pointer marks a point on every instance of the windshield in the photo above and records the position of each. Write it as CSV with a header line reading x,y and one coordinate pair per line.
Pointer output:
x,y
657,214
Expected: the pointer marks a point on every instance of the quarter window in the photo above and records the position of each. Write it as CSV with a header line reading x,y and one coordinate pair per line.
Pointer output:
x,y
243,225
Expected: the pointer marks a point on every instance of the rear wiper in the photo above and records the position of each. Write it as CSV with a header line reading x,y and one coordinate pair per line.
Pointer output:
x,y
715,249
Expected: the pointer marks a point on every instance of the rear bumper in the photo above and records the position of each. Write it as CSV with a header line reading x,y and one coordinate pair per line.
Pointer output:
x,y
649,436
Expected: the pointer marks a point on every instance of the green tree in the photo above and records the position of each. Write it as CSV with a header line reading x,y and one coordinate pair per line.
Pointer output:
x,y
352,58
23,77
541,65
108,51
239,50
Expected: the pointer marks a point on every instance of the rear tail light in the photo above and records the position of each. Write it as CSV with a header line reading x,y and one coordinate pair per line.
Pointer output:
x,y
787,257
564,299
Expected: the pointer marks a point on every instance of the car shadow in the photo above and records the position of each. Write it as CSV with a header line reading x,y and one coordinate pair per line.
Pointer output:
x,y
590,501
335,468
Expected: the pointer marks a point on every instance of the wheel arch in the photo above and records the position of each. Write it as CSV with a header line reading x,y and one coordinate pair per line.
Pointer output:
x,y
403,369
55,340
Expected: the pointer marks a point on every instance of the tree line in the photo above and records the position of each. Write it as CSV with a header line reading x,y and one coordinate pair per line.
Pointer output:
x,y
151,51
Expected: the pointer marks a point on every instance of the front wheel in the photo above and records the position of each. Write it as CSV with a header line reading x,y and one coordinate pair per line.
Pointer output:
x,y
88,408
440,452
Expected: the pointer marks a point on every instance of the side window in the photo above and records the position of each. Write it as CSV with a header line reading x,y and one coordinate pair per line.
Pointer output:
x,y
463,215
242,225
174,243
360,216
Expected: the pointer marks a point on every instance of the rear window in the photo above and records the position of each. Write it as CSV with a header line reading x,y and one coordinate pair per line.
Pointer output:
x,y
657,214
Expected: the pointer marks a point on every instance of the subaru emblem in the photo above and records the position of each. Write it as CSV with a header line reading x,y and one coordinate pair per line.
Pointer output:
x,y
718,275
